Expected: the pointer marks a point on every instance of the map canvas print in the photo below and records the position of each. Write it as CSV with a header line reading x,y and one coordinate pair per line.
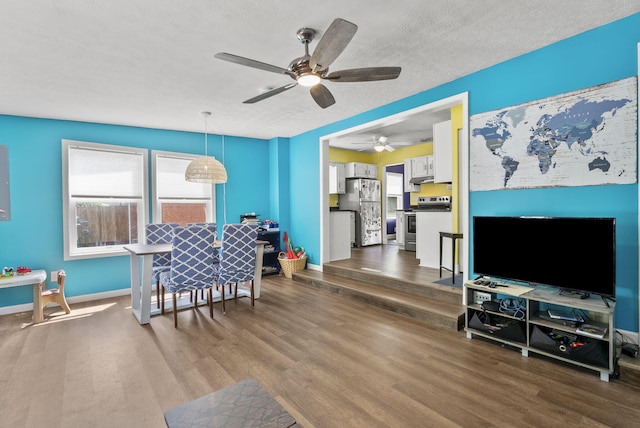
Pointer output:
x,y
582,138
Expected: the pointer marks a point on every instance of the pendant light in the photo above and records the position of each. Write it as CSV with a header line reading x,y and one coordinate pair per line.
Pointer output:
x,y
206,169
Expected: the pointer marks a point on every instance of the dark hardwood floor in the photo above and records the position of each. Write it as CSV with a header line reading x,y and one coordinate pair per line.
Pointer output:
x,y
330,361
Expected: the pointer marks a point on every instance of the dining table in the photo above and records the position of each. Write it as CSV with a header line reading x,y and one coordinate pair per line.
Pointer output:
x,y
141,262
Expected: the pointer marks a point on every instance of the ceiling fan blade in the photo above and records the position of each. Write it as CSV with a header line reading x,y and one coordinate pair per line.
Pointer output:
x,y
270,93
251,63
332,43
388,148
368,74
322,96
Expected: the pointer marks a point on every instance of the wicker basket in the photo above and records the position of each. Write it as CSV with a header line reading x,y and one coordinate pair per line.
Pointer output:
x,y
292,265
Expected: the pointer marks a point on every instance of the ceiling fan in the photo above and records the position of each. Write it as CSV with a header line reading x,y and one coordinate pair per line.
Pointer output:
x,y
379,144
310,70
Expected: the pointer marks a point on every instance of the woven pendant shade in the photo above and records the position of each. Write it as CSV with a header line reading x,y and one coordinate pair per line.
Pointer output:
x,y
206,169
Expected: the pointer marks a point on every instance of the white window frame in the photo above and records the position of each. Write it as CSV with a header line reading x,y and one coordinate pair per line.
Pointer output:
x,y
210,201
71,251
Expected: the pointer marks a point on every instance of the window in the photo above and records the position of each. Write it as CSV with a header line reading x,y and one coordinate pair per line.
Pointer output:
x,y
176,200
105,198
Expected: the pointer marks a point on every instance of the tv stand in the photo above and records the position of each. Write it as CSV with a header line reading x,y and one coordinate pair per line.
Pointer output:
x,y
537,332
574,294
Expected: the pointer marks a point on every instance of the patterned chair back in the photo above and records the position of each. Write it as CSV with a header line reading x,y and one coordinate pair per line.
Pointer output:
x,y
160,233
216,258
191,258
213,225
238,253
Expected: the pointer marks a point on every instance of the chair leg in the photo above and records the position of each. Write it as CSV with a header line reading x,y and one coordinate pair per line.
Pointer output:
x,y
162,301
224,310
158,293
210,301
252,301
235,294
175,310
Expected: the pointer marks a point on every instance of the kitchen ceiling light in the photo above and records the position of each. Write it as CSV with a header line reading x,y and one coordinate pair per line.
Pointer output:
x,y
206,169
379,147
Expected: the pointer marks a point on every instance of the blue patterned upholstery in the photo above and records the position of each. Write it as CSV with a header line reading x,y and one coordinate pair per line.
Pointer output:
x,y
191,262
216,256
237,256
159,233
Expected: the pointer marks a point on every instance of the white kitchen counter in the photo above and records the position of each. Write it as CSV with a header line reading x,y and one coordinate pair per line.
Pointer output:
x,y
429,224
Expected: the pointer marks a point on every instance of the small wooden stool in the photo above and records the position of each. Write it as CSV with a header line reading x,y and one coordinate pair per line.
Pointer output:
x,y
56,295
454,237
243,404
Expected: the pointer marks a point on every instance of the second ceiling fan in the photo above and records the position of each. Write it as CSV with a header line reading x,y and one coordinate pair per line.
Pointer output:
x,y
310,70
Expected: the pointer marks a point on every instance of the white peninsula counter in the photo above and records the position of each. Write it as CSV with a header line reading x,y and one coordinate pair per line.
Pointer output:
x,y
429,224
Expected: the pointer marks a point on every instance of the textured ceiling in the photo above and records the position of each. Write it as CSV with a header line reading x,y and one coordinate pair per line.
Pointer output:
x,y
150,63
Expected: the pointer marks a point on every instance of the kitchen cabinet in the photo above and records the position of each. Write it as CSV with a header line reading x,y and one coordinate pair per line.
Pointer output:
x,y
442,152
361,170
339,229
422,169
408,185
337,174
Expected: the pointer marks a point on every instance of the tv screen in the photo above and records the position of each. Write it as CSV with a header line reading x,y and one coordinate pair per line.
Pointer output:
x,y
571,253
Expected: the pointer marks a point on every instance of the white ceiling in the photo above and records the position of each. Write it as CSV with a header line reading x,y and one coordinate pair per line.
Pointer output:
x,y
150,63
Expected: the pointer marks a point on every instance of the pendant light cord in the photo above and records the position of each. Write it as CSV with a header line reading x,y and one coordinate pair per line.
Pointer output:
x,y
206,133
224,189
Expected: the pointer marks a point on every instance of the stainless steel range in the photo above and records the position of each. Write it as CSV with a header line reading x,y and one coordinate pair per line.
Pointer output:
x,y
425,203
434,203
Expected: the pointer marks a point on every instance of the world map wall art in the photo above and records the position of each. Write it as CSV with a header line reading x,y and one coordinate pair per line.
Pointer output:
x,y
582,138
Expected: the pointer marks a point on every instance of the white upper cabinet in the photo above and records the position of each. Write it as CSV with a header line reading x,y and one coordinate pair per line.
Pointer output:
x,y
361,170
337,178
408,185
442,152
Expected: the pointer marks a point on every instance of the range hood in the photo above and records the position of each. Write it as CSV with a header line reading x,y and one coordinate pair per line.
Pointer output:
x,y
421,180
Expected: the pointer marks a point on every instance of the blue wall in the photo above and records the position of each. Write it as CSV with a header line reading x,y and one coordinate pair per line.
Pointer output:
x,y
604,54
34,235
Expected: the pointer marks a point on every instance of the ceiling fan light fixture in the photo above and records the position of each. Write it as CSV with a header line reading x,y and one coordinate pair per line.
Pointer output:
x,y
308,79
379,147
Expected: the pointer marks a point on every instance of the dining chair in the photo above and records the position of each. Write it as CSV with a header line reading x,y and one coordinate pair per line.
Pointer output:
x,y
237,258
216,256
191,266
159,233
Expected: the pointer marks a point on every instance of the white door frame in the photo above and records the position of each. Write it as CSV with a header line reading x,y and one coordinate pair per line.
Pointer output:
x,y
323,146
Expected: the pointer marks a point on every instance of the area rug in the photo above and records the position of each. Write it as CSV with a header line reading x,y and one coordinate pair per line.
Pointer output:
x,y
446,280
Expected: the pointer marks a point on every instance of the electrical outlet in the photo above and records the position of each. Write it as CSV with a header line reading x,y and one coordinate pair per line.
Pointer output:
x,y
479,297
54,276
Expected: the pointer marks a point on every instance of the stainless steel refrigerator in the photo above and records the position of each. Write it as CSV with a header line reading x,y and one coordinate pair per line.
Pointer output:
x,y
363,196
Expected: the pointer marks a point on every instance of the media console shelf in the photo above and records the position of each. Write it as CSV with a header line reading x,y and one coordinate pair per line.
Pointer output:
x,y
531,329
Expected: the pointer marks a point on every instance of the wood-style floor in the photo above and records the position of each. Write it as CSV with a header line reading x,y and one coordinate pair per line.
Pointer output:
x,y
391,261
330,361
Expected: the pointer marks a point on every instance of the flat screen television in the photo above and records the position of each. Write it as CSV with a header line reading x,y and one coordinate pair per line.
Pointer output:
x,y
570,253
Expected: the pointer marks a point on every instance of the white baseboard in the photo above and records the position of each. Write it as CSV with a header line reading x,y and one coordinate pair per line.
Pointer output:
x,y
26,307
314,267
